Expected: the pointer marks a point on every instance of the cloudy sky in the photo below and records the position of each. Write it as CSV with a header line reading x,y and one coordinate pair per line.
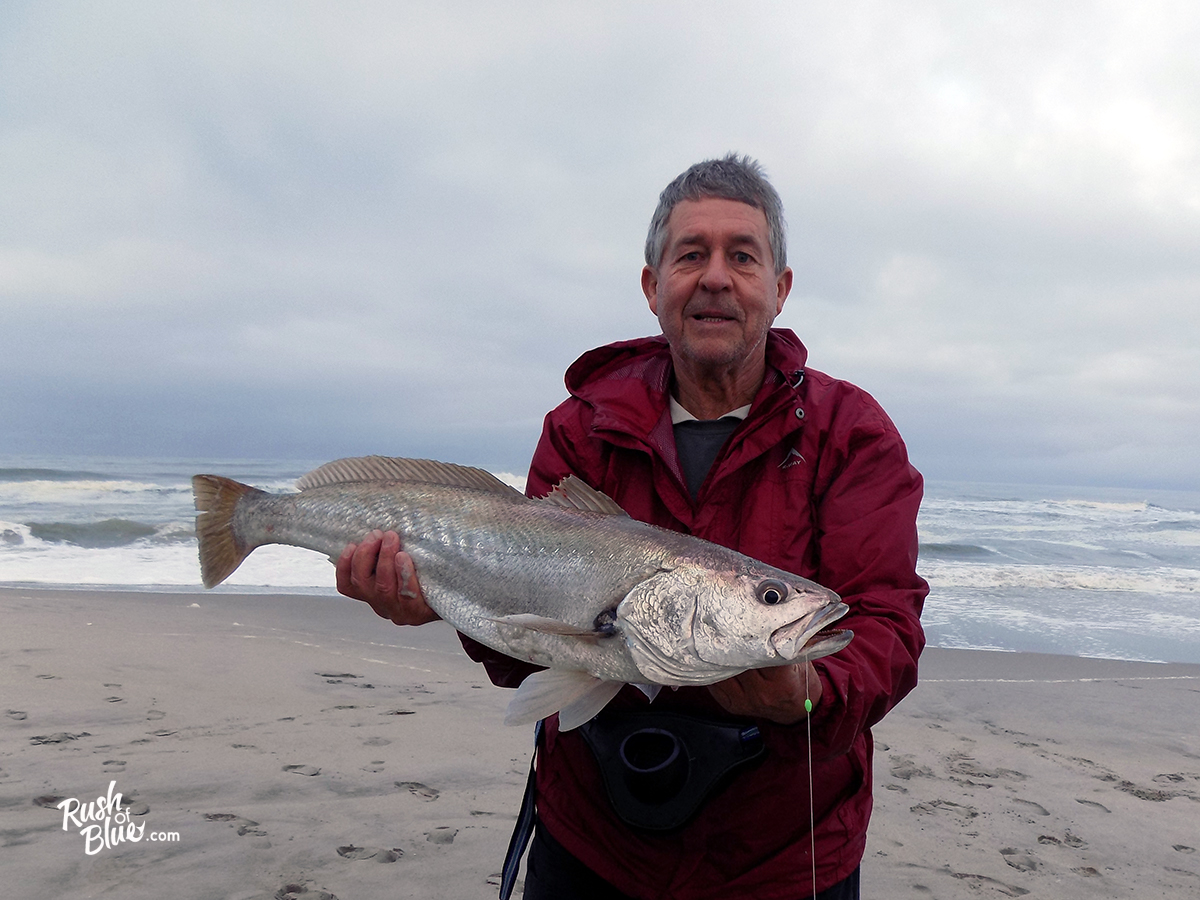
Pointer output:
x,y
311,230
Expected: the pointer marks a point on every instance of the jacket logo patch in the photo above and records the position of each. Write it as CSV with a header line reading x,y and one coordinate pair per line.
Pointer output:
x,y
792,459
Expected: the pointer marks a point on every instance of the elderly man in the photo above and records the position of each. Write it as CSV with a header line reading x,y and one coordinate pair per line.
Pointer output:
x,y
716,428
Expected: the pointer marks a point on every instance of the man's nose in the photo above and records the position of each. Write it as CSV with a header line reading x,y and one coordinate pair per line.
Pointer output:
x,y
715,277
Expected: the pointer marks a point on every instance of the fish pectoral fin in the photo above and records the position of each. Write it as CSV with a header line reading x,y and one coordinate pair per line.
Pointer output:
x,y
650,690
586,707
576,696
545,625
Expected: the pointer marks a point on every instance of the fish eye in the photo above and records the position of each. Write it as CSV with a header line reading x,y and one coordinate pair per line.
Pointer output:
x,y
772,592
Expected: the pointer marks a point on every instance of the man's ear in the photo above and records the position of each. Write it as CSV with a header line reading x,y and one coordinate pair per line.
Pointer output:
x,y
650,288
783,287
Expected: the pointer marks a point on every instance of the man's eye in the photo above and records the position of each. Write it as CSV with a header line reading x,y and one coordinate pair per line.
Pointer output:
x,y
743,258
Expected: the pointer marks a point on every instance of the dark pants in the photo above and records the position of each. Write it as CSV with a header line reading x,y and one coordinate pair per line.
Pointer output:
x,y
554,874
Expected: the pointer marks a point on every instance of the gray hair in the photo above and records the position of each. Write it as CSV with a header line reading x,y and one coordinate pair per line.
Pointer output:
x,y
731,178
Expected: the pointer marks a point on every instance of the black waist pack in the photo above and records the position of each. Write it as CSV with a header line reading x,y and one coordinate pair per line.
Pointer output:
x,y
659,768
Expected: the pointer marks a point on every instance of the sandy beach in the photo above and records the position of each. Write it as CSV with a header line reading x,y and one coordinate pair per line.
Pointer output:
x,y
278,747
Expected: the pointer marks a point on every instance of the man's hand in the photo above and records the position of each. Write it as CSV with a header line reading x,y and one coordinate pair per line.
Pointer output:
x,y
378,572
776,693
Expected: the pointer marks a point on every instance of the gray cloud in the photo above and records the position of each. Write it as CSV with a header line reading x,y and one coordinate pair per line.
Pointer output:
x,y
313,230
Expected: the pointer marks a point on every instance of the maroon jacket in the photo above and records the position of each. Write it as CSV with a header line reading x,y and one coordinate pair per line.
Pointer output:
x,y
815,481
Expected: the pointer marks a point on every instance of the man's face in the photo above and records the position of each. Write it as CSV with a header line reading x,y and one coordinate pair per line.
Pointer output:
x,y
715,291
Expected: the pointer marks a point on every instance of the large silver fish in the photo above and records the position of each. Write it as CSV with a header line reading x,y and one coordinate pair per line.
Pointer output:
x,y
569,582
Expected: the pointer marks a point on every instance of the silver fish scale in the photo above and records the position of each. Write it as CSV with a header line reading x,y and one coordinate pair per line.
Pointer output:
x,y
482,555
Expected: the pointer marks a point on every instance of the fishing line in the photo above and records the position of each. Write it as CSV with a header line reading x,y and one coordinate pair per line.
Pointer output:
x,y
812,826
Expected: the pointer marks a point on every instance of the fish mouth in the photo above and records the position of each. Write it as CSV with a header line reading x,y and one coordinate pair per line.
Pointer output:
x,y
812,637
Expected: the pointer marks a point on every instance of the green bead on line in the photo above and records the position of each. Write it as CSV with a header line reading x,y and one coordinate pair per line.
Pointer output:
x,y
807,705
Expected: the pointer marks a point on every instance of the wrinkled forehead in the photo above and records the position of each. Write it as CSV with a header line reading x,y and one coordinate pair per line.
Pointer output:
x,y
713,219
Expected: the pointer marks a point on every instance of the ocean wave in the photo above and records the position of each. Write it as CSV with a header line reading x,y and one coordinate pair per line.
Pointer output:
x,y
82,491
36,474
1114,506
145,563
103,534
952,550
1162,580
93,535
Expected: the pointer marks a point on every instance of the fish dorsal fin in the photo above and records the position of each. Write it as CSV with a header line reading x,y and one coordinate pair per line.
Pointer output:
x,y
575,493
387,468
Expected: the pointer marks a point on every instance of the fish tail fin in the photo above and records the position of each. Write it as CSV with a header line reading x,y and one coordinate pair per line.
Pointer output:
x,y
221,551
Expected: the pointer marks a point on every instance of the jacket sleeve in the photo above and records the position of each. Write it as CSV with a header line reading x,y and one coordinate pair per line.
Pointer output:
x,y
867,496
549,466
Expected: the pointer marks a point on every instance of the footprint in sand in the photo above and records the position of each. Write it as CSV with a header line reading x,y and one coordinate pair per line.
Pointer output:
x,y
443,834
60,737
1099,806
302,770
1184,848
375,765
1035,808
48,801
1153,796
419,790
1021,860
1069,840
980,881
936,806
302,892
155,714
114,765
1170,778
18,715
970,768
244,826
340,678
376,742
376,853
904,768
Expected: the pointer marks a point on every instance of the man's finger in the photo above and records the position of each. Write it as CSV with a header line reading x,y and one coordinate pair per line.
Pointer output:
x,y
386,581
344,584
408,584
362,566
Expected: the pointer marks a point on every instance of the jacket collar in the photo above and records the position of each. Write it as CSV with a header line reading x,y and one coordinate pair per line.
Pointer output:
x,y
628,385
